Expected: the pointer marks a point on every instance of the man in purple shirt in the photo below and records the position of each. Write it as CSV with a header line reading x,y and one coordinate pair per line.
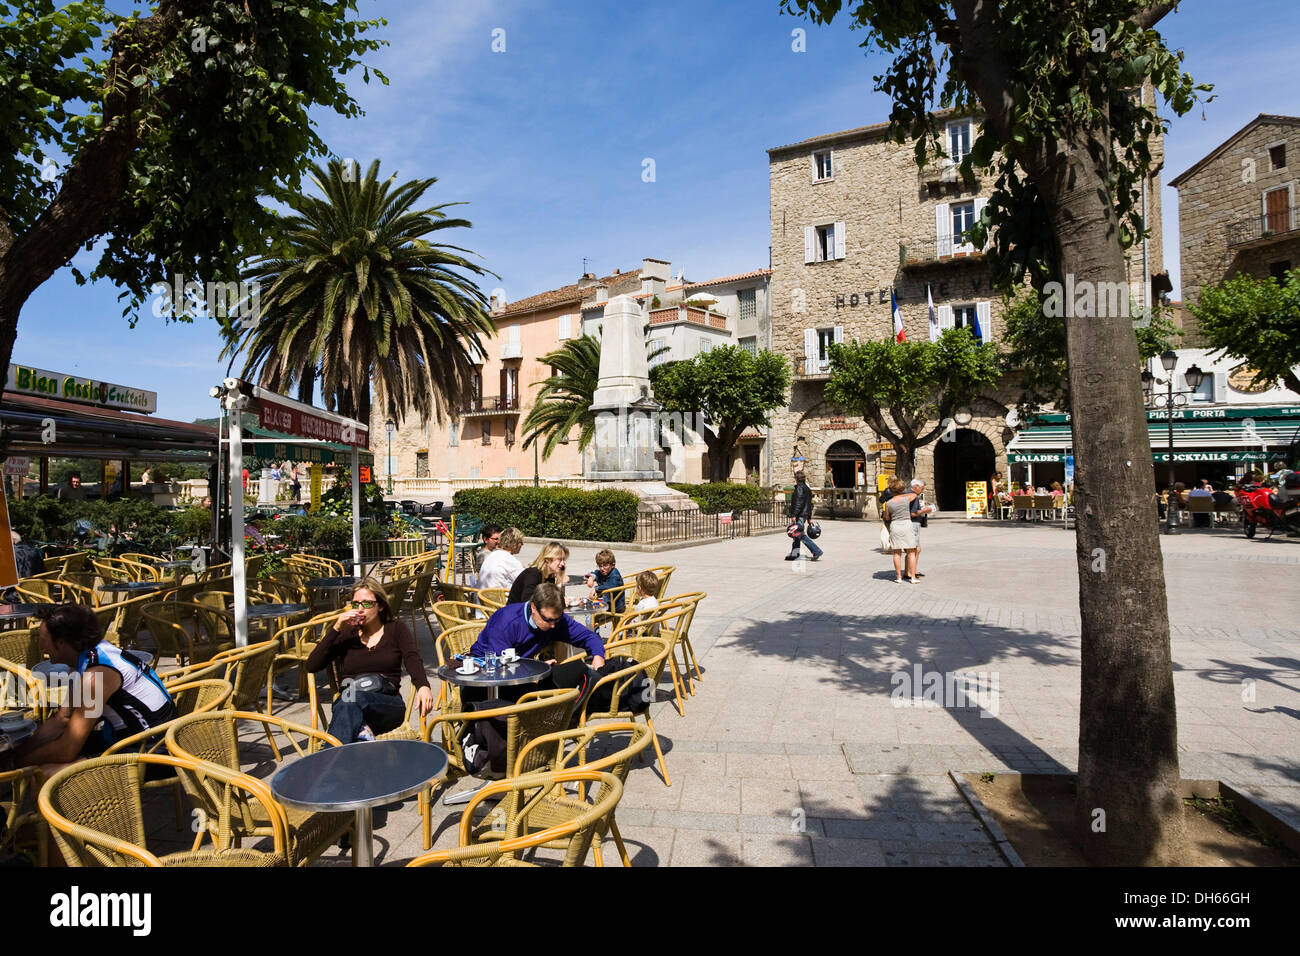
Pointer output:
x,y
530,626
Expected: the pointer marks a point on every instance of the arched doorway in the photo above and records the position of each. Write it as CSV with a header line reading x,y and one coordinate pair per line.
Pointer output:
x,y
968,457
845,460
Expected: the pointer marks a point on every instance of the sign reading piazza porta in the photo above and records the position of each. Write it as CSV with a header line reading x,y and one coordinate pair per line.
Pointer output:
x,y
72,388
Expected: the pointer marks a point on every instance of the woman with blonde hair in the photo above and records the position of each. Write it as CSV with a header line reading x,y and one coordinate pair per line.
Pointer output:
x,y
901,536
549,566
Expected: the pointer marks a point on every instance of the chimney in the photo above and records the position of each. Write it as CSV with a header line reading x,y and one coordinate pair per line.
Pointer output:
x,y
602,292
588,279
496,303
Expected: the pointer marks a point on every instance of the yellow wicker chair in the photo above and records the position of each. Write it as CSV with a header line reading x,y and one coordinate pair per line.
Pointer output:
x,y
663,572
22,822
211,741
455,613
36,590
629,593
564,750
21,646
533,791
296,643
535,715
650,653
493,598
94,810
190,633
689,663
447,645
127,619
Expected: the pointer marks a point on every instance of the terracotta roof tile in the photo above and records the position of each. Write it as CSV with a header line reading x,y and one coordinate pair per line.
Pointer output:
x,y
736,278
571,293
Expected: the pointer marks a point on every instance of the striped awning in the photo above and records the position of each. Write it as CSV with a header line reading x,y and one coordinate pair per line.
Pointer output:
x,y
1200,434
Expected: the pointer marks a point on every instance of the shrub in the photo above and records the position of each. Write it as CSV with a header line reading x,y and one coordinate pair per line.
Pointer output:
x,y
723,497
332,533
40,518
193,524
554,512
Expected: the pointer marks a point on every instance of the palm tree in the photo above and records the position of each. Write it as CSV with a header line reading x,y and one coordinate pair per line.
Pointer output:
x,y
564,402
353,293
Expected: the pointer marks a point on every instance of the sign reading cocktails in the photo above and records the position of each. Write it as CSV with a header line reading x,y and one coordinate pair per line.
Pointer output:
x,y
38,381
292,420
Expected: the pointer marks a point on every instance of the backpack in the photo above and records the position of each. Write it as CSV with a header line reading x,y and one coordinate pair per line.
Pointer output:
x,y
636,697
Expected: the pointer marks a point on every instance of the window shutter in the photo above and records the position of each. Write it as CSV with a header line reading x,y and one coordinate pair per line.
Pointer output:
x,y
566,330
945,317
453,436
837,335
810,351
1220,386
808,244
943,231
839,240
979,208
982,313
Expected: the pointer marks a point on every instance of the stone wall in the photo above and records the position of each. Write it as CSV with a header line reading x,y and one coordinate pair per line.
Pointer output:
x,y
1228,190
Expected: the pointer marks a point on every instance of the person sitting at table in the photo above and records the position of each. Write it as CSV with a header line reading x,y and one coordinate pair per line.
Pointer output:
x,y
606,577
549,566
500,566
369,642
532,627
114,696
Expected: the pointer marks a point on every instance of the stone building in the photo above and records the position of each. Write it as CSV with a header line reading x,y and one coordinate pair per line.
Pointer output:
x,y
854,220
1237,209
484,444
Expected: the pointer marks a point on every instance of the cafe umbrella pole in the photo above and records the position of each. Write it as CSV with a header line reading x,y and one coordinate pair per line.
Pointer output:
x,y
356,512
235,404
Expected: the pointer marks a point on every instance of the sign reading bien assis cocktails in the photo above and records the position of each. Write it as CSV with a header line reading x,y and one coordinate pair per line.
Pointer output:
x,y
26,380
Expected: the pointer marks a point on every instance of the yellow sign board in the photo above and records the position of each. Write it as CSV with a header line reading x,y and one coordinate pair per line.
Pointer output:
x,y
315,487
977,500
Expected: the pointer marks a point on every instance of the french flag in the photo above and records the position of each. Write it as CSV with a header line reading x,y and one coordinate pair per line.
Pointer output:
x,y
899,334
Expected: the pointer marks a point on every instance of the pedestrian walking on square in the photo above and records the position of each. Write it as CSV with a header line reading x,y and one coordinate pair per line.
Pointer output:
x,y
919,510
801,507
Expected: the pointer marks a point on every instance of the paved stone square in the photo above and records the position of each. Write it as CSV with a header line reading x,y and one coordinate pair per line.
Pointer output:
x,y
793,750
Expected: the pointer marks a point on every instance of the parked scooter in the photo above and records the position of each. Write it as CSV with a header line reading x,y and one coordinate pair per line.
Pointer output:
x,y
1262,508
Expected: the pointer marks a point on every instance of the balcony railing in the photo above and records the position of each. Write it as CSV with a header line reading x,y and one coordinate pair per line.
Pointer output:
x,y
511,350
1263,229
948,249
491,405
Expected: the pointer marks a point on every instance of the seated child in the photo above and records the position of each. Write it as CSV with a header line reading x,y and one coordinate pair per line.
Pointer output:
x,y
647,587
606,578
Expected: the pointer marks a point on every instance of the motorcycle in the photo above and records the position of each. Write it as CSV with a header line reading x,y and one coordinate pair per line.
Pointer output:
x,y
1262,508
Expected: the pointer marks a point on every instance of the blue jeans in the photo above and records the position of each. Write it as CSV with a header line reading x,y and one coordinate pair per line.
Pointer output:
x,y
383,712
812,545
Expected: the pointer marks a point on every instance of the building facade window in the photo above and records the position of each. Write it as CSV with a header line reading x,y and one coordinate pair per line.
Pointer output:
x,y
566,326
510,432
747,303
959,140
512,473
816,348
1277,156
1278,270
487,431
421,464
453,434
656,345
750,344
822,167
1277,210
823,243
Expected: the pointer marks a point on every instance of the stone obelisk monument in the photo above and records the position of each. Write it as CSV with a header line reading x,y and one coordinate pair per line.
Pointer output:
x,y
627,414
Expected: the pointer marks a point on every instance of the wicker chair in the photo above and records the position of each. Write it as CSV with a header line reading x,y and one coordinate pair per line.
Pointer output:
x,y
296,643
650,653
663,573
127,618
535,715
691,599
450,591
21,646
94,810
448,644
629,593
455,613
20,690
192,697
531,792
22,822
211,741
36,590
189,632
493,598
565,750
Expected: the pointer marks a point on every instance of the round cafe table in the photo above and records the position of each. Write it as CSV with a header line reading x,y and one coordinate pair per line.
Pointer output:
x,y
14,612
130,587
262,612
359,777
525,670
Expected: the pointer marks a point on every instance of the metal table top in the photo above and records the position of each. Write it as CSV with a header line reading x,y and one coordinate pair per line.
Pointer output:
x,y
523,671
333,584
15,732
259,612
8,612
360,775
131,587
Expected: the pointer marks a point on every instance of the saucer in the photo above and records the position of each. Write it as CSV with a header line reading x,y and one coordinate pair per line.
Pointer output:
x,y
472,669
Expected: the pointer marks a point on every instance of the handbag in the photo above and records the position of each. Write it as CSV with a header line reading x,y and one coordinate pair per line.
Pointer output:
x,y
884,537
365,684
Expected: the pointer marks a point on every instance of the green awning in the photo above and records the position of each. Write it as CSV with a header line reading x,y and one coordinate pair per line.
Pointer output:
x,y
267,445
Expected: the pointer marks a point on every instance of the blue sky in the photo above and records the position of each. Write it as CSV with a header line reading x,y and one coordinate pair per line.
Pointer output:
x,y
546,142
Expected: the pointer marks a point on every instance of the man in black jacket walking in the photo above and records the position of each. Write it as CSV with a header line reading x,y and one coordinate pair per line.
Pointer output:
x,y
801,504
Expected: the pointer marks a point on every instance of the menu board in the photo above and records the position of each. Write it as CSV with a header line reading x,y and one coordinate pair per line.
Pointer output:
x,y
977,499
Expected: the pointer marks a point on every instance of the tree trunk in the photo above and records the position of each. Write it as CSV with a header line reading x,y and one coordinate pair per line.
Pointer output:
x,y
1128,811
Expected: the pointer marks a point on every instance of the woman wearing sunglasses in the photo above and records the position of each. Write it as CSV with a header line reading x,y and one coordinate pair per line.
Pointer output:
x,y
370,646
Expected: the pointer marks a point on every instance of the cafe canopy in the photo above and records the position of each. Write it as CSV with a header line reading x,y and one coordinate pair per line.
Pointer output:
x,y
1211,434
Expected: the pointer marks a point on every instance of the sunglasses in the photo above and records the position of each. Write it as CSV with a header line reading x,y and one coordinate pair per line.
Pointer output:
x,y
550,620
362,604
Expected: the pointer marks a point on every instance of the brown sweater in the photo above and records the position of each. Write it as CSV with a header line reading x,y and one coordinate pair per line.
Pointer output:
x,y
396,646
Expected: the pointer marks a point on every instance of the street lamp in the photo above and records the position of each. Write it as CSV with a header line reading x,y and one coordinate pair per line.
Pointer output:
x,y
389,427
1171,399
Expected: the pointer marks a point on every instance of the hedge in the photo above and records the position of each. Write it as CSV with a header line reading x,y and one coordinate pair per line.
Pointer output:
x,y
724,497
554,512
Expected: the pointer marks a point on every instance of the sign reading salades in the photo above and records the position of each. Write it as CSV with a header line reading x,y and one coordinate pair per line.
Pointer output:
x,y
25,380
294,421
